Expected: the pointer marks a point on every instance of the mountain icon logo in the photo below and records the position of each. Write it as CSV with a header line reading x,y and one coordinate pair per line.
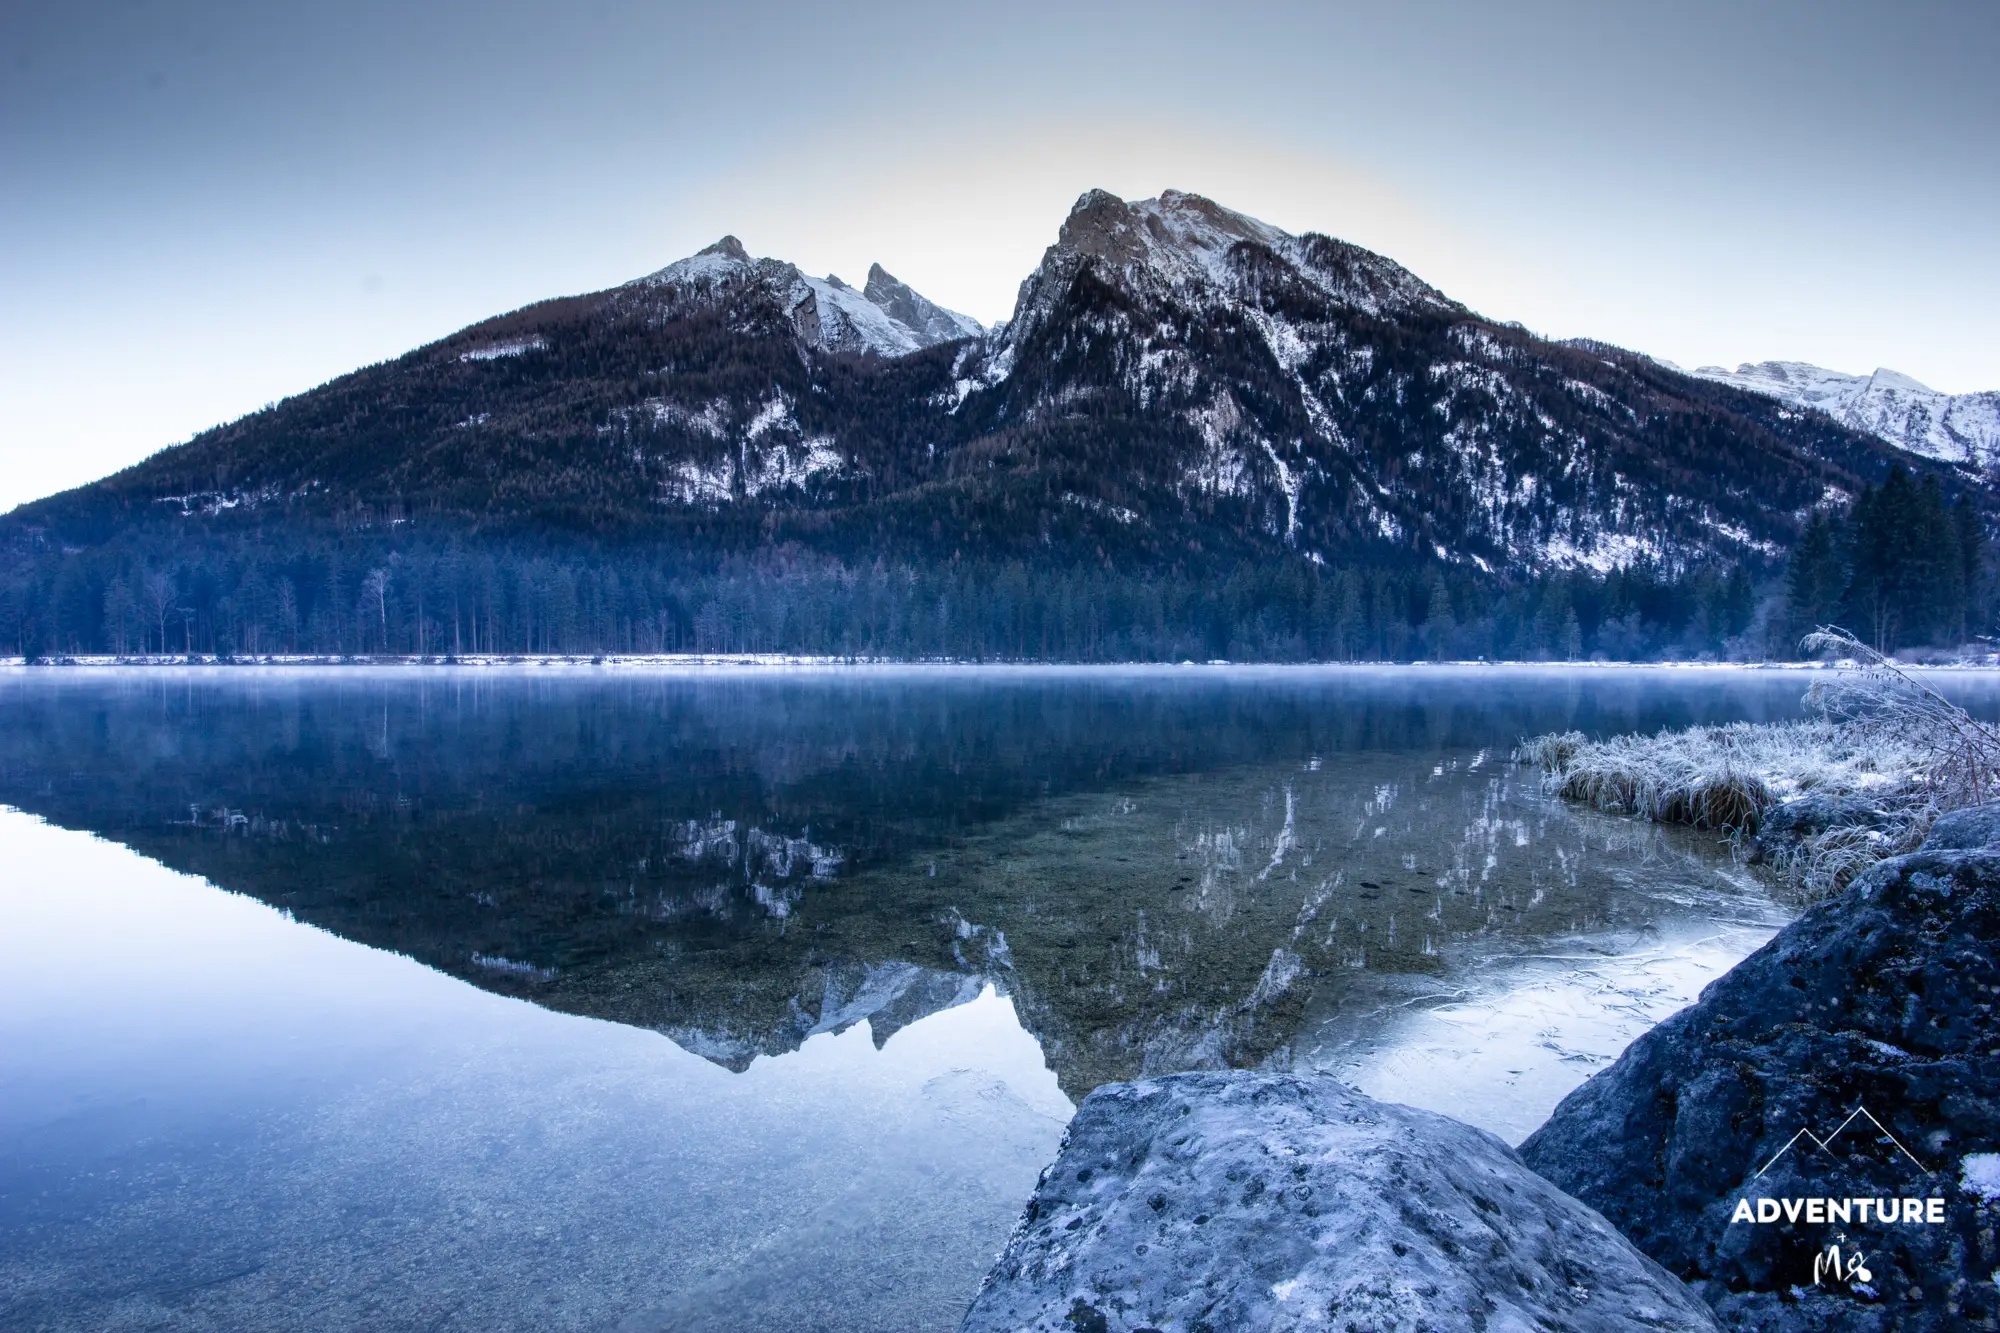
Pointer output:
x,y
1825,1144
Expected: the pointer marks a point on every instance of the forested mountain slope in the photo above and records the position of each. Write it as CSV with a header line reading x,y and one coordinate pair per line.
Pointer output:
x,y
1196,435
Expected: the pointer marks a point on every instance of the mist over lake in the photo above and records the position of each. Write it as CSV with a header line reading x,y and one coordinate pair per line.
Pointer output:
x,y
685,999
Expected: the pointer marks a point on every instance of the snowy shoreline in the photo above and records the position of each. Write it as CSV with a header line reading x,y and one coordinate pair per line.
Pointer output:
x,y
677,661
1819,800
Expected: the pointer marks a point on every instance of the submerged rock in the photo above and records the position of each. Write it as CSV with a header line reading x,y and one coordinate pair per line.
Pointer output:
x,y
1856,1056
1245,1201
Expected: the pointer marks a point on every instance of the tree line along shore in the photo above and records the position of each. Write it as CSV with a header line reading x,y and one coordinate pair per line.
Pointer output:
x,y
1902,566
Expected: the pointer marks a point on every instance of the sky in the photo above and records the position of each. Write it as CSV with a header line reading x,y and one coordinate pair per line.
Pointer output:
x,y
209,205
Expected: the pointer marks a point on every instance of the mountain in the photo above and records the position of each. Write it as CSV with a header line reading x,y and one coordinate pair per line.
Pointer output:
x,y
926,320
1338,404
1962,429
1196,435
885,318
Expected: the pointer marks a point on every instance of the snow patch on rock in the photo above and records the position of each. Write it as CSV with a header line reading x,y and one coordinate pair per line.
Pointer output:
x,y
1603,552
1979,1173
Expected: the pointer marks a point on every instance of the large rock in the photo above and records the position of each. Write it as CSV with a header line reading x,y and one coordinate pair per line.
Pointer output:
x,y
1965,830
1240,1201
1883,1000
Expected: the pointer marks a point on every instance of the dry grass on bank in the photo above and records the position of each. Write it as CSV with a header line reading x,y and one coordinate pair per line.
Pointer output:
x,y
1893,753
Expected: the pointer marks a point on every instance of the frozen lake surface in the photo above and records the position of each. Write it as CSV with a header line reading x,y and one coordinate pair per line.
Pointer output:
x,y
712,1000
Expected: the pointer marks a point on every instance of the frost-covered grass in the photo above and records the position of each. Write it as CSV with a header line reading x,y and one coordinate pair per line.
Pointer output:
x,y
1725,777
1892,753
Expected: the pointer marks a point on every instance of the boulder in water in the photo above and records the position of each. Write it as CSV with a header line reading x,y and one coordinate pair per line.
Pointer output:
x,y
1247,1201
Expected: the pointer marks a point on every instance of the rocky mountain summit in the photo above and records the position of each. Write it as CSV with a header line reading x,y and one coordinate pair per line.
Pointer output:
x,y
1962,429
927,321
1344,403
885,318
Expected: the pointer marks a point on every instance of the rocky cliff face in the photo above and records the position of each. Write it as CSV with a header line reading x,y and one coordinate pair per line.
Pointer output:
x,y
927,321
1189,358
1855,1057
1247,1201
886,318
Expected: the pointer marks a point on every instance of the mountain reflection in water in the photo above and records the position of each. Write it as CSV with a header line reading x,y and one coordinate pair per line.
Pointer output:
x,y
891,922
217,1118
1165,870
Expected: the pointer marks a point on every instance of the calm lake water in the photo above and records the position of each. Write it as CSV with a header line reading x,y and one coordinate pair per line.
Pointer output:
x,y
598,999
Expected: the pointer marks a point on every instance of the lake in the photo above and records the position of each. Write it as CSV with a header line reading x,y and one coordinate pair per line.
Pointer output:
x,y
597,998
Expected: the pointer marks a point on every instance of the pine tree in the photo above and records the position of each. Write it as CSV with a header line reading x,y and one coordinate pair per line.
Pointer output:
x,y
1439,627
1815,579
1972,618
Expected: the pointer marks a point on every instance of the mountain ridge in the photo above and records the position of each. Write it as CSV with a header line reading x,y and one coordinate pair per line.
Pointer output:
x,y
1961,429
1187,408
885,318
1280,317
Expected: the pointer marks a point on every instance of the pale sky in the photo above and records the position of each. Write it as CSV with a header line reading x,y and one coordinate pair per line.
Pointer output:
x,y
207,205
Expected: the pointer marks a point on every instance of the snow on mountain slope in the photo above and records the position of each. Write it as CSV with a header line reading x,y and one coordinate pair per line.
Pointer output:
x,y
1178,384
1953,428
925,318
888,318
1184,245
1345,403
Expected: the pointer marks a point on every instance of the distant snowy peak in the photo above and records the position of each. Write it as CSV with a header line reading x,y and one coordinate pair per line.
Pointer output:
x,y
1197,252
1953,428
887,318
925,318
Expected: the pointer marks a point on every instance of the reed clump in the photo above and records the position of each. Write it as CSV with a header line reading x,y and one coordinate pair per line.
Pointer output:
x,y
1717,778
1885,754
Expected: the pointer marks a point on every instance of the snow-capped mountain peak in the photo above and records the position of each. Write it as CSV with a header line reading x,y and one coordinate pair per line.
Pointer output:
x,y
727,248
1895,382
708,265
904,305
887,319
1197,253
1953,428
1178,236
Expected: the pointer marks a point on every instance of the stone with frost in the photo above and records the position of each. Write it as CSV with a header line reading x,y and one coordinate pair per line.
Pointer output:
x,y
1784,826
1816,813
1249,1201
1965,830
1857,1055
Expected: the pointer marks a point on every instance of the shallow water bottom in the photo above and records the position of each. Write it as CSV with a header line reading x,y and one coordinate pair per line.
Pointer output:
x,y
217,1118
